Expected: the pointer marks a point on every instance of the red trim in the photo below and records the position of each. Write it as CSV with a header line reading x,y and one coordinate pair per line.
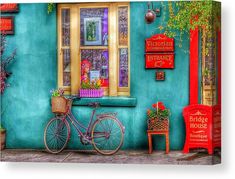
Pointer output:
x,y
193,84
219,67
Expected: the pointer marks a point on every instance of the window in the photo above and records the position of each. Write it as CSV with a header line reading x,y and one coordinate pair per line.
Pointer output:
x,y
93,42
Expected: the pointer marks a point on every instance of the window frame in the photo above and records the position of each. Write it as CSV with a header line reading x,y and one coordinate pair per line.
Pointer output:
x,y
60,48
75,47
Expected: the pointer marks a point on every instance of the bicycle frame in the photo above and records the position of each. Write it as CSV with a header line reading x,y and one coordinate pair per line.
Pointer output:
x,y
69,115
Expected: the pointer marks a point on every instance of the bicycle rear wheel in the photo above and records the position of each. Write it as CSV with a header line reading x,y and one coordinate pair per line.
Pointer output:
x,y
107,135
56,135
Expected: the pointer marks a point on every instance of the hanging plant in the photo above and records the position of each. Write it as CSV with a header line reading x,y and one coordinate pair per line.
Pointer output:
x,y
186,15
4,75
50,7
4,63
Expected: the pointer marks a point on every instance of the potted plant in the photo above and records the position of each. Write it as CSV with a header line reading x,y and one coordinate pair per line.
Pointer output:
x,y
91,89
3,137
4,75
58,101
158,117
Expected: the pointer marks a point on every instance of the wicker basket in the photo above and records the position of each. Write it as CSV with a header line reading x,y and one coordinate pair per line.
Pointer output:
x,y
59,104
158,124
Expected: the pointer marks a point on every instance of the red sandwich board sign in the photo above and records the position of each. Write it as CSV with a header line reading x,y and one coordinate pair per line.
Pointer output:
x,y
159,60
216,130
159,52
203,127
203,123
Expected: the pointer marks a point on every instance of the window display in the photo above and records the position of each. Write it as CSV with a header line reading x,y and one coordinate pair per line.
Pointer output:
x,y
94,66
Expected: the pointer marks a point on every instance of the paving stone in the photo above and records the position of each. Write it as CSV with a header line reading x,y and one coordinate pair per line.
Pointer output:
x,y
132,157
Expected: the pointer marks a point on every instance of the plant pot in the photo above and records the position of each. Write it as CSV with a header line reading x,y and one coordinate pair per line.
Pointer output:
x,y
91,93
59,104
3,138
158,124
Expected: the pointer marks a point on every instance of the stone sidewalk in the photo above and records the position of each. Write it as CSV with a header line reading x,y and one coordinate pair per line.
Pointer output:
x,y
132,157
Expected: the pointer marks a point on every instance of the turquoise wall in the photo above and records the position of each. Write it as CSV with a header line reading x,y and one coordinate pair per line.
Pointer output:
x,y
35,73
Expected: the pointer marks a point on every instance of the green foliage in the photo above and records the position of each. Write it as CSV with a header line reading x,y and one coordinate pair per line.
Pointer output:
x,y
57,92
50,7
96,84
185,15
160,114
1,128
91,31
159,111
85,85
192,14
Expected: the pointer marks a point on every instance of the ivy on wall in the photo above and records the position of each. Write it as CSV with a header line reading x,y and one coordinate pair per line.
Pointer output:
x,y
186,15
191,14
50,7
204,15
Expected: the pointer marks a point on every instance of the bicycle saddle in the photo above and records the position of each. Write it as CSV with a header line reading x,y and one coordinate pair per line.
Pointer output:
x,y
94,104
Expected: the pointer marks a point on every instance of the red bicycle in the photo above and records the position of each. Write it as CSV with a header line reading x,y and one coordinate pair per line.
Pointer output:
x,y
106,133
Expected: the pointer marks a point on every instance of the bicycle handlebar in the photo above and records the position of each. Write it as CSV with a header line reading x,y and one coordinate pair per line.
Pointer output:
x,y
92,104
73,97
95,104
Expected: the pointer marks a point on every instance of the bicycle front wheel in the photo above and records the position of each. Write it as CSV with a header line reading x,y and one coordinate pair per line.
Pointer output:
x,y
107,135
56,135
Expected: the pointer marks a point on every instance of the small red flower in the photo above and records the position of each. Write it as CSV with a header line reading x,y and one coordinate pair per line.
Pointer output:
x,y
148,111
154,105
161,106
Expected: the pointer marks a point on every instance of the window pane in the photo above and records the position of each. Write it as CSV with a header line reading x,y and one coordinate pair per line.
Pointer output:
x,y
94,26
66,67
123,67
94,65
65,27
123,25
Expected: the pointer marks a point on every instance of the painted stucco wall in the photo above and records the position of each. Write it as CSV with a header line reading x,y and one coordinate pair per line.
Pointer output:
x,y
26,102
34,74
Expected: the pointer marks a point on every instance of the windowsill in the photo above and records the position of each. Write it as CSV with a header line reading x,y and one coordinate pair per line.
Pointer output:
x,y
119,101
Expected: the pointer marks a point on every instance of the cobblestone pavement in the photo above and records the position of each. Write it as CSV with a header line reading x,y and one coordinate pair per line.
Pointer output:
x,y
133,156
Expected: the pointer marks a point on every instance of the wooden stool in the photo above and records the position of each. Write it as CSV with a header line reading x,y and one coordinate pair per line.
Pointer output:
x,y
155,132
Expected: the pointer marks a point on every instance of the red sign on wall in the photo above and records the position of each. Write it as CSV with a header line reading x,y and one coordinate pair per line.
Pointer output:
x,y
159,52
10,7
159,60
159,43
199,131
7,24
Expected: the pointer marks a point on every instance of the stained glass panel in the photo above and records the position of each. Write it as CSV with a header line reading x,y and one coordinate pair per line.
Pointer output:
x,y
210,65
123,67
66,67
94,26
94,65
123,25
65,27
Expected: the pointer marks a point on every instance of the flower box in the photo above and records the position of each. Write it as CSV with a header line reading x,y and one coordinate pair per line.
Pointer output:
x,y
91,93
157,124
3,138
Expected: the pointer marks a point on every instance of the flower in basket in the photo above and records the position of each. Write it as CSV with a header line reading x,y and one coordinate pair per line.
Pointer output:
x,y
159,111
57,92
58,102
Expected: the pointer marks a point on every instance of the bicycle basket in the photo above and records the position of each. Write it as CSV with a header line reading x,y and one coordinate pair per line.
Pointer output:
x,y
59,104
